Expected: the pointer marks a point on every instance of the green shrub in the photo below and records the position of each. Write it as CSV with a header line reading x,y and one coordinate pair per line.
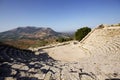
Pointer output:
x,y
81,33
61,39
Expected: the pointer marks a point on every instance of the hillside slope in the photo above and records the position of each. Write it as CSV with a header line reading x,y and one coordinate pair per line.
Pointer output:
x,y
25,37
29,32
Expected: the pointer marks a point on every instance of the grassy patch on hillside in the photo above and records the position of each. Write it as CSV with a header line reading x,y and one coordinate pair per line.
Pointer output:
x,y
24,44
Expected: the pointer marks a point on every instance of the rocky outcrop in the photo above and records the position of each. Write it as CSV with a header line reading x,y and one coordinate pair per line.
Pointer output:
x,y
16,64
25,65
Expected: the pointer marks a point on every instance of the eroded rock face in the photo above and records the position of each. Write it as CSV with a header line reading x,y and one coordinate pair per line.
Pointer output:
x,y
103,62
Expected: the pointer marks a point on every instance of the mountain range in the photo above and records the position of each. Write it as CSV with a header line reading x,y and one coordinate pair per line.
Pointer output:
x,y
30,32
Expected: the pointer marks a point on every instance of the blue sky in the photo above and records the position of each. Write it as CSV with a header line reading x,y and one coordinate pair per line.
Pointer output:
x,y
60,15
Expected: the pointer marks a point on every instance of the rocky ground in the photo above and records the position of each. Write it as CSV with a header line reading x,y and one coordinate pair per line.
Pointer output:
x,y
96,57
25,65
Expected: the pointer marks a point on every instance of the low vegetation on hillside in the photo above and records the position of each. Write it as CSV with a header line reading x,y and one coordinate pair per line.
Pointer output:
x,y
25,43
61,39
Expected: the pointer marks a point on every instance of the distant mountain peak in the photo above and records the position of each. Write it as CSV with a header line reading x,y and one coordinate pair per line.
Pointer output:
x,y
30,32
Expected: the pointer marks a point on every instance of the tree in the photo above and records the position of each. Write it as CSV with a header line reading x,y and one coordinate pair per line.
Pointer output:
x,y
81,33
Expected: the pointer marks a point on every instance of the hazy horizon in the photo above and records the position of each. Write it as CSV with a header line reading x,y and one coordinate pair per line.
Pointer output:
x,y
60,15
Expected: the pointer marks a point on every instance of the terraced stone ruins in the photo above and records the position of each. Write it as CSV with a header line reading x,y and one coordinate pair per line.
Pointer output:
x,y
96,57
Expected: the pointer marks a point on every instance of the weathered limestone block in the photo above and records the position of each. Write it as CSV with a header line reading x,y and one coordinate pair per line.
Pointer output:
x,y
10,78
31,70
39,76
13,72
24,68
18,66
48,76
